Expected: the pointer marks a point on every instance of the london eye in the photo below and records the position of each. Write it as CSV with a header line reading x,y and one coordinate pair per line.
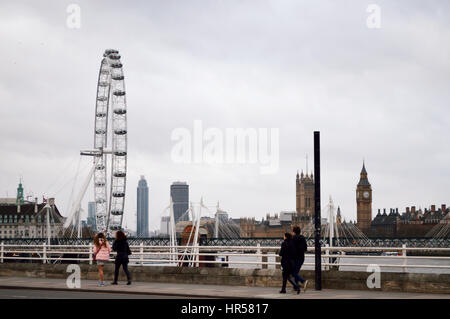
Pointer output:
x,y
110,146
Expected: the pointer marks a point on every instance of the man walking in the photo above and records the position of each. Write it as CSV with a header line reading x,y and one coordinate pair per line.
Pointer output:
x,y
300,249
287,253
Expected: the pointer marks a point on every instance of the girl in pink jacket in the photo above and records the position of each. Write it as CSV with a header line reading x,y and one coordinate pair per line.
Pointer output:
x,y
101,254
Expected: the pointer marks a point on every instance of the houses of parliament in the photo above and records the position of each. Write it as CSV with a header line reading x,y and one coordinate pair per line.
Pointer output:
x,y
411,223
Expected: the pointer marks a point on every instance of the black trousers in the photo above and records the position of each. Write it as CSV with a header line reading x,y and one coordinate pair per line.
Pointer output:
x,y
288,271
124,264
287,277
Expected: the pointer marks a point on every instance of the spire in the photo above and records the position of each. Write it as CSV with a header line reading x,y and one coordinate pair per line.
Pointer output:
x,y
306,165
363,176
363,171
339,211
19,198
297,175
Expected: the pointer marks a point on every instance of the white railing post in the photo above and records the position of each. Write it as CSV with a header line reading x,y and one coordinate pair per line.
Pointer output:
x,y
44,253
404,257
327,252
197,258
91,253
2,249
258,252
141,253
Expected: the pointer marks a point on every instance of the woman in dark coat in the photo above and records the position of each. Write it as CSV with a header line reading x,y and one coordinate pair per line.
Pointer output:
x,y
122,248
287,254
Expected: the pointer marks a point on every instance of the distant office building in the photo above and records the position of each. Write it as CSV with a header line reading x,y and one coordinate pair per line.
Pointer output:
x,y
221,215
165,226
142,208
91,221
179,191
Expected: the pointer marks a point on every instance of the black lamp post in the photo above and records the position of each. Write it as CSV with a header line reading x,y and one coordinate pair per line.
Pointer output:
x,y
317,226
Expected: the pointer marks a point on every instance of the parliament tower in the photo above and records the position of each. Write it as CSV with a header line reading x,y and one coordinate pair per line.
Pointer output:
x,y
304,197
363,202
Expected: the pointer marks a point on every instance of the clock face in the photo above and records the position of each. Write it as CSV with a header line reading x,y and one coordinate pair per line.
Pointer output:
x,y
366,194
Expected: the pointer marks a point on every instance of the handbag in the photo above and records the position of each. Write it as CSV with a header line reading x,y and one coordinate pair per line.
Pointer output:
x,y
94,255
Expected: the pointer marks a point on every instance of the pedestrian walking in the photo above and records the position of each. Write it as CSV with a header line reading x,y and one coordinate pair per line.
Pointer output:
x,y
287,254
122,248
300,248
101,254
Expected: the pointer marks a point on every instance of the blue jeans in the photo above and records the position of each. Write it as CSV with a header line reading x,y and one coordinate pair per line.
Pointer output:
x,y
297,277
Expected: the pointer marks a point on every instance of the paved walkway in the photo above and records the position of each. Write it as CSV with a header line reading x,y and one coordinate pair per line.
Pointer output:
x,y
205,291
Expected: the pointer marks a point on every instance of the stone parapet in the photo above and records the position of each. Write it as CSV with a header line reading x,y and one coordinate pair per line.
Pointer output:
x,y
332,279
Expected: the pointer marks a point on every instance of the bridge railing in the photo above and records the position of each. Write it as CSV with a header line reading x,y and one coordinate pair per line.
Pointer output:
x,y
236,256
272,242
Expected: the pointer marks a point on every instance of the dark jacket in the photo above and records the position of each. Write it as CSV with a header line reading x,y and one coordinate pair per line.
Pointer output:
x,y
122,248
300,247
287,253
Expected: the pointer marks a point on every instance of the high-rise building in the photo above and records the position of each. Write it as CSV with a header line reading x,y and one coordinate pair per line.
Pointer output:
x,y
91,221
179,191
363,202
165,226
142,208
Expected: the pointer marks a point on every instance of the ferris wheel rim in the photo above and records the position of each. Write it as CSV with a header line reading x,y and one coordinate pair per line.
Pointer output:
x,y
110,109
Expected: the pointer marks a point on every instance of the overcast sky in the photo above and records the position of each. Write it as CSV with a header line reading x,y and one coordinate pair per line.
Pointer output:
x,y
299,66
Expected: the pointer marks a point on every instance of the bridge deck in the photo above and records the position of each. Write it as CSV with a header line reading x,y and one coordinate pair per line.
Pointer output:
x,y
205,291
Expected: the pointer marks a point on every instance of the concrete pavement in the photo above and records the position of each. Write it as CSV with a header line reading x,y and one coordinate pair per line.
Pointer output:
x,y
11,293
202,291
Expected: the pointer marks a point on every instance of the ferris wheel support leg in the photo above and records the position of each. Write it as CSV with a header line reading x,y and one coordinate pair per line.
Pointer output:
x,y
172,231
77,204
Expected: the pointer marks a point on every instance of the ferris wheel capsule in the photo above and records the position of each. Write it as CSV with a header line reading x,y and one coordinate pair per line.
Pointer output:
x,y
119,93
120,131
114,56
120,174
116,212
118,77
120,111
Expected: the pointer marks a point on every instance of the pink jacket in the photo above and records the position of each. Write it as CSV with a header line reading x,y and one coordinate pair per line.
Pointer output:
x,y
103,253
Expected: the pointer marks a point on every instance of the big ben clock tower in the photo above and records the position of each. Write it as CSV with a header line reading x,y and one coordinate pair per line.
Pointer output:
x,y
363,202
